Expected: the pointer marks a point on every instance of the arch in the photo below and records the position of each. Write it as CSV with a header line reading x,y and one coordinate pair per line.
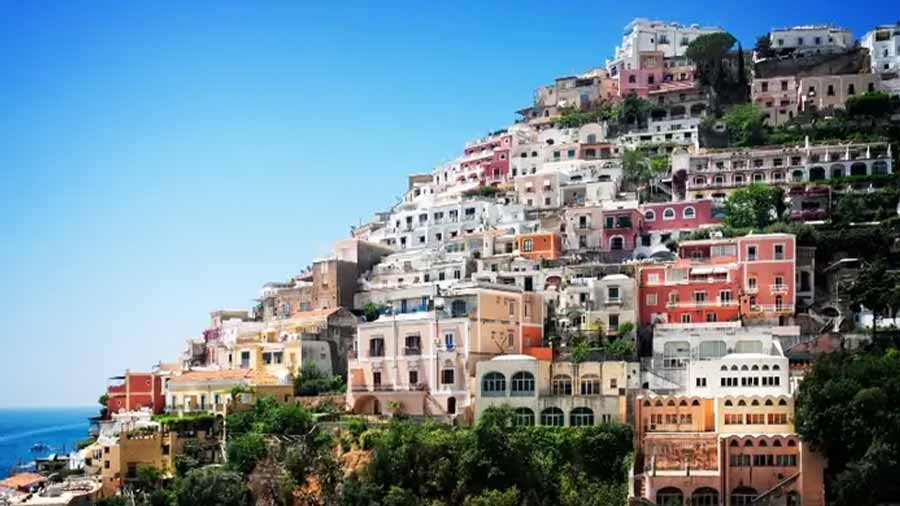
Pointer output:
x,y
816,173
650,215
858,169
763,444
745,368
742,402
561,384
733,443
734,368
769,402
695,402
791,442
728,402
646,403
880,168
669,214
671,403
689,213
739,179
493,384
754,402
743,496
797,176
837,170
776,367
777,443
590,384
759,177
765,367
553,417
522,384
754,368
705,496
616,242
748,443
658,403
782,402
724,367
676,111
669,496
682,402
591,139
581,417
523,416
699,180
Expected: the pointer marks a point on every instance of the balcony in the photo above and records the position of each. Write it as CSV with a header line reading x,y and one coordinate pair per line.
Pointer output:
x,y
751,289
772,308
778,288
412,351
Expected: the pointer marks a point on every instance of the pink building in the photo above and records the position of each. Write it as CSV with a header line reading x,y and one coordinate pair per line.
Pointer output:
x,y
720,280
490,155
669,217
648,76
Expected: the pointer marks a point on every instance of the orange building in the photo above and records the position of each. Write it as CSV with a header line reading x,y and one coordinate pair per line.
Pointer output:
x,y
539,246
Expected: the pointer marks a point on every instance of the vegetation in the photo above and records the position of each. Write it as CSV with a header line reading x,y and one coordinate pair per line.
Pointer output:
x,y
312,382
103,400
211,486
482,191
709,52
371,311
755,206
877,289
746,125
494,463
848,407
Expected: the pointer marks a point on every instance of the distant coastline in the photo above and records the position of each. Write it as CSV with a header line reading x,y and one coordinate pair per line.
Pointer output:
x,y
59,428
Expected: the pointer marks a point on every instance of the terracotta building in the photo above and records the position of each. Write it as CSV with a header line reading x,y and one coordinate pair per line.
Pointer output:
x,y
135,391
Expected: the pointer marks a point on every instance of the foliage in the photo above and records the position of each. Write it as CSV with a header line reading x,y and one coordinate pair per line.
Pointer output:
x,y
84,443
312,382
625,329
581,352
482,191
621,349
147,478
756,206
244,452
186,422
211,486
707,51
746,125
103,400
371,311
848,407
763,47
876,289
875,103
633,111
495,463
571,118
269,417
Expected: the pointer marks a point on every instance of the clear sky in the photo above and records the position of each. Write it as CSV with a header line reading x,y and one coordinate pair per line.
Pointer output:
x,y
163,159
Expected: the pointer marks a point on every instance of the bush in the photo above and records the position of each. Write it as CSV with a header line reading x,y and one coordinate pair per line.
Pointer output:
x,y
211,486
311,382
244,452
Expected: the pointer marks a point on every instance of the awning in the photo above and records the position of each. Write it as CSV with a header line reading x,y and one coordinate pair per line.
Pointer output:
x,y
701,270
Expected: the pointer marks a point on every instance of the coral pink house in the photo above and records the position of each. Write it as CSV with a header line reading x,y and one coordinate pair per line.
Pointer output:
x,y
721,280
491,155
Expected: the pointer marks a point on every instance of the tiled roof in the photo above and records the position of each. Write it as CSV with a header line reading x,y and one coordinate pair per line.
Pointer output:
x,y
250,376
22,480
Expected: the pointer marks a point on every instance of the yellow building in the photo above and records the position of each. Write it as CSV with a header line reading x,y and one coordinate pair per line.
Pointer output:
x,y
213,391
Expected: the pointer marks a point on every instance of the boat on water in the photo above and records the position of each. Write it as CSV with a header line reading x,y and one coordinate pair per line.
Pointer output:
x,y
39,447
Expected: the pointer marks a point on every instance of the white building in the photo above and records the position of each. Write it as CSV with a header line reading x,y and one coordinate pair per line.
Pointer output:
x,y
642,34
718,359
681,132
883,44
812,39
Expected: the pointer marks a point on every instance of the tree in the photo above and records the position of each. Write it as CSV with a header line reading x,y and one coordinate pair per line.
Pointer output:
x,y
746,125
851,207
847,408
633,111
103,400
755,206
311,381
244,452
211,486
371,311
708,52
763,47
509,497
635,166
873,103
877,290
147,478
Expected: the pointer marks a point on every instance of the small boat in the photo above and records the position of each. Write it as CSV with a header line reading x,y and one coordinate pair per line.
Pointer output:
x,y
39,447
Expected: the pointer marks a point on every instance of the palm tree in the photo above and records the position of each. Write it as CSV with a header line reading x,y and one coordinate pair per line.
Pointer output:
x,y
635,167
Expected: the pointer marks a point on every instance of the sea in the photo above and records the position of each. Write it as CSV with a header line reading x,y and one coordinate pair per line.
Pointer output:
x,y
58,428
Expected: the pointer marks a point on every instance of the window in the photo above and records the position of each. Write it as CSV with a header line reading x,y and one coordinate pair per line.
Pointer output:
x,y
522,383
493,385
581,417
590,384
376,378
613,322
448,341
669,214
779,253
413,378
651,299
688,213
553,417
523,416
527,245
447,377
751,253
561,385
765,86
649,216
701,382
617,243
612,294
686,318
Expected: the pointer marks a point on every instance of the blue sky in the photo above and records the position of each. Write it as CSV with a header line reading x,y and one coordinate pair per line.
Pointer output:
x,y
160,160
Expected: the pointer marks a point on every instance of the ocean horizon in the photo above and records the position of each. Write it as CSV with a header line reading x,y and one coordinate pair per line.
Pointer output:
x,y
60,428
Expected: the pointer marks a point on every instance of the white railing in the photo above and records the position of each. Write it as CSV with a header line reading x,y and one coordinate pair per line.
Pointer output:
x,y
778,288
772,308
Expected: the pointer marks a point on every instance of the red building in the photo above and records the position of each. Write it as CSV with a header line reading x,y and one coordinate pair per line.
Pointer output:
x,y
135,390
490,154
668,217
721,280
621,226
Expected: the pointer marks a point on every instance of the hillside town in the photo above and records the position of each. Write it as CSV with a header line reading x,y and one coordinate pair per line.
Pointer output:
x,y
669,241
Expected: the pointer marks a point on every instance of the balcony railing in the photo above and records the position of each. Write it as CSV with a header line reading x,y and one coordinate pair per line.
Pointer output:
x,y
412,351
752,289
415,387
772,308
778,288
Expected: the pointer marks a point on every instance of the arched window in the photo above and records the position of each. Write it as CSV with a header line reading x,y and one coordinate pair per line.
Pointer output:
x,y
671,403
562,385
724,367
682,402
590,384
734,368
670,496
581,417
493,384
817,173
754,368
742,402
743,496
658,403
617,243
523,416
646,404
858,169
695,402
553,417
734,443
776,367
745,368
754,402
797,176
758,177
782,402
791,442
592,139
650,215
728,402
880,168
688,213
522,383
777,443
705,496
837,170
769,402
763,444
669,214
765,367
738,179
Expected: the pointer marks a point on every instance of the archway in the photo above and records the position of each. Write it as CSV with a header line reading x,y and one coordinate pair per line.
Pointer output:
x,y
838,170
669,496
858,169
816,173
705,496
